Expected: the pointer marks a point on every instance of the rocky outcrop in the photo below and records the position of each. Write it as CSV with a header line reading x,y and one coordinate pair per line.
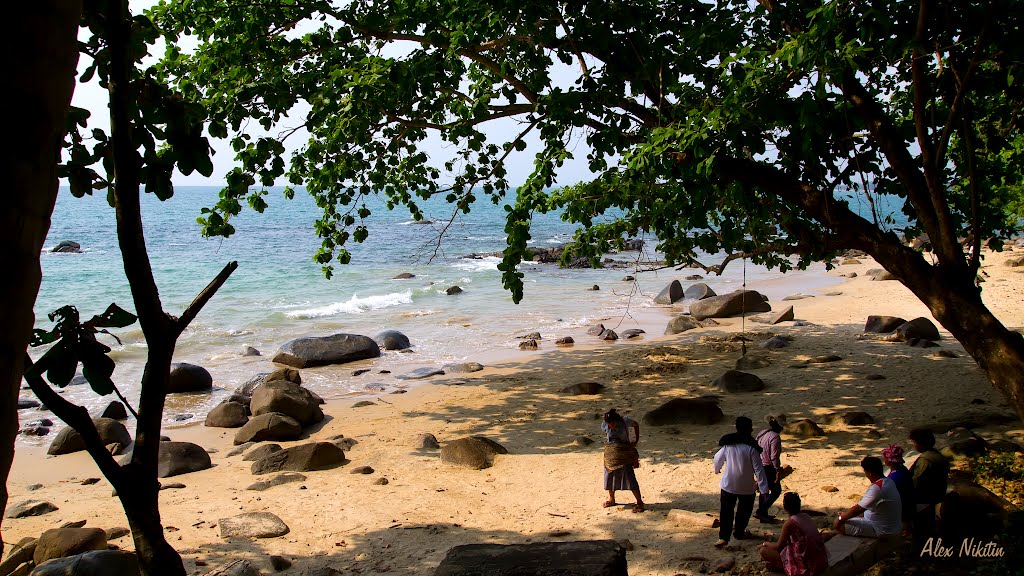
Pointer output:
x,y
736,381
703,411
698,291
324,350
288,398
271,426
301,458
392,340
187,377
474,452
670,294
69,440
227,415
739,302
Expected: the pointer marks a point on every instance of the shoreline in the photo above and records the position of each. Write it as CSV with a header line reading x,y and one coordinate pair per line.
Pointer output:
x,y
547,487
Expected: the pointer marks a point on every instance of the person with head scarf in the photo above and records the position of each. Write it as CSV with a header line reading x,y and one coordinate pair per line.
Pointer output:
x,y
892,456
770,443
800,550
741,458
621,457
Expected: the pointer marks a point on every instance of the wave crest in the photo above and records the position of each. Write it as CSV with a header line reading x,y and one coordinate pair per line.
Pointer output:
x,y
355,305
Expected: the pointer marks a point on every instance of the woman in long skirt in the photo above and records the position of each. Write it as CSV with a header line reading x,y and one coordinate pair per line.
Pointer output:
x,y
621,457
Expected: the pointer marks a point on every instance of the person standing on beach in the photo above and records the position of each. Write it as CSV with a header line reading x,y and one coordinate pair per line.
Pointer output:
x,y
771,450
741,457
621,457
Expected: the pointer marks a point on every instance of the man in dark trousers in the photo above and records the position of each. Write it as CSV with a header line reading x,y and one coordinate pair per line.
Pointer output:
x,y
741,457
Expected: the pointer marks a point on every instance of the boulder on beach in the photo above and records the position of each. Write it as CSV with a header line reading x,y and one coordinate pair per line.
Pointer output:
x,y
271,426
288,398
176,458
115,411
703,411
609,335
426,441
252,525
739,302
736,381
921,328
289,374
452,290
775,342
227,415
804,428
595,330
324,350
784,315
67,247
261,452
670,294
60,542
93,563
187,377
580,558
882,324
404,276
28,508
69,440
682,323
421,373
250,351
698,291
462,368
565,341
880,275
301,458
392,340
583,388
476,452
631,333
279,480
852,418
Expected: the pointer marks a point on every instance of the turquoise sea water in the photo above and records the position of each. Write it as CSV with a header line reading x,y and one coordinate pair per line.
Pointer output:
x,y
278,292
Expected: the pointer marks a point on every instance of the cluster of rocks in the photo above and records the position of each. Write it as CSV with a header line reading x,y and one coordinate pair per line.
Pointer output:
x,y
71,549
553,255
919,332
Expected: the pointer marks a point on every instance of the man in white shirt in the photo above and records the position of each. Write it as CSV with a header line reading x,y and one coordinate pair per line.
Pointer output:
x,y
742,460
881,506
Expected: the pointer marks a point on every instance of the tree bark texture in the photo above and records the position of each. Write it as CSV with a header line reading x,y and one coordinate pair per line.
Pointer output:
x,y
40,56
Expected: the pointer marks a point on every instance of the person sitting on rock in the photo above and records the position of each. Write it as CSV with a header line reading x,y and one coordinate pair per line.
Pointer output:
x,y
930,473
741,457
620,457
892,456
800,550
881,506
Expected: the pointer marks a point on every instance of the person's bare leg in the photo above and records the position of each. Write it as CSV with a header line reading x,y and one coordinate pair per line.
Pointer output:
x,y
611,499
771,556
639,507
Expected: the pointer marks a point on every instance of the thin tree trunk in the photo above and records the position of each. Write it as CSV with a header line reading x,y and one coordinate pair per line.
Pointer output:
x,y
40,55
140,499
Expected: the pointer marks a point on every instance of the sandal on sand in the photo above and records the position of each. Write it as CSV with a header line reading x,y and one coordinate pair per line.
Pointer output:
x,y
608,504
638,507
721,544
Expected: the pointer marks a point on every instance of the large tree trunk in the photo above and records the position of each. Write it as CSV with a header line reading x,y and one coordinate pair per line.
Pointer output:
x,y
140,499
40,58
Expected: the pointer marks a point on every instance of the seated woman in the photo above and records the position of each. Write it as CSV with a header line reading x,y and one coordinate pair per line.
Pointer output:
x,y
800,550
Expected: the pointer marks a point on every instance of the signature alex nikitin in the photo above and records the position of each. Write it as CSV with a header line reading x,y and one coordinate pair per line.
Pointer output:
x,y
969,548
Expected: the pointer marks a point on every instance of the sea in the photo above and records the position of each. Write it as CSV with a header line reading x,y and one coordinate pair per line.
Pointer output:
x,y
279,293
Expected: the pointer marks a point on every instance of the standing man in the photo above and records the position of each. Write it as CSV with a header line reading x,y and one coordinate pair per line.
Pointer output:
x,y
930,473
771,450
742,460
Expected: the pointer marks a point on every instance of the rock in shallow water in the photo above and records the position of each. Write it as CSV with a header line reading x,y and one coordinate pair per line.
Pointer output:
x,y
324,350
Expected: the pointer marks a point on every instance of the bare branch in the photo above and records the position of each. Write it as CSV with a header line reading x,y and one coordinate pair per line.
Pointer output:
x,y
193,309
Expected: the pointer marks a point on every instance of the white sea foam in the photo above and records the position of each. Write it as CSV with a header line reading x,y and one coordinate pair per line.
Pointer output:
x,y
355,305
474,265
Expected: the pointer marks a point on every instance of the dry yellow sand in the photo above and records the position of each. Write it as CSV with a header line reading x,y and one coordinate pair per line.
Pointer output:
x,y
547,487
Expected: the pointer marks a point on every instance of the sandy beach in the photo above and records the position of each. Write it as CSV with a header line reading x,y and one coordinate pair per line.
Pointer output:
x,y
548,487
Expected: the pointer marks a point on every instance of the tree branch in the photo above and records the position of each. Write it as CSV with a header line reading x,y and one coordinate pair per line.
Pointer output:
x,y
717,269
955,108
193,309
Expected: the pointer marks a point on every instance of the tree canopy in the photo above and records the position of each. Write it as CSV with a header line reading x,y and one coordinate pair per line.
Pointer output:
x,y
736,127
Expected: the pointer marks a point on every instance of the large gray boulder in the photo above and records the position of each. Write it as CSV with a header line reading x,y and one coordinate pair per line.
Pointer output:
x,y
271,426
670,294
324,350
289,374
286,398
699,291
227,415
682,323
69,440
918,328
474,452
177,458
883,324
582,558
60,542
189,378
736,381
739,302
94,563
301,458
252,525
702,411
392,340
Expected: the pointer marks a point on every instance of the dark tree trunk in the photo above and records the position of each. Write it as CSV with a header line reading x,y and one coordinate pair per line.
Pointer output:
x,y
40,54
140,499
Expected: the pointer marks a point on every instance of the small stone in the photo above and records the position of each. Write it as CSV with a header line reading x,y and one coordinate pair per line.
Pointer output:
x,y
360,371
252,525
381,482
875,377
528,345
33,487
830,489
583,441
89,481
427,442
825,359
172,486
117,532
363,403
566,341
280,563
361,470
